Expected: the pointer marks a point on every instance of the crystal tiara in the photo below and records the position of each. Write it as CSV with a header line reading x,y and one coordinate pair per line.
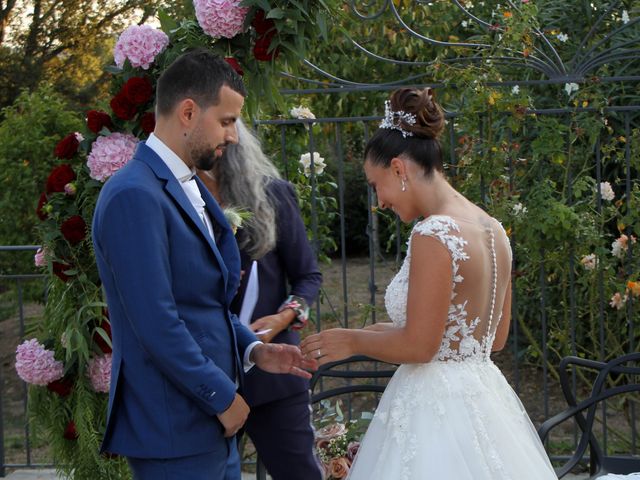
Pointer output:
x,y
393,120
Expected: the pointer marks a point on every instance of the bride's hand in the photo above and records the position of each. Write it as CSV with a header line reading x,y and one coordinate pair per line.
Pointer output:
x,y
328,346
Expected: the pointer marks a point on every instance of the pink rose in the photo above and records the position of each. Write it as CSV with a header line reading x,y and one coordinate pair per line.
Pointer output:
x,y
352,450
338,467
331,431
322,444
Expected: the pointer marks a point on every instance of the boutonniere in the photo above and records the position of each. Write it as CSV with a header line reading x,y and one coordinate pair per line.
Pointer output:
x,y
236,217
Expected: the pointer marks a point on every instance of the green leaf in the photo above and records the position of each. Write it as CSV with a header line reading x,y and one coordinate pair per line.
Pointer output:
x,y
301,8
321,21
113,69
276,13
167,24
339,411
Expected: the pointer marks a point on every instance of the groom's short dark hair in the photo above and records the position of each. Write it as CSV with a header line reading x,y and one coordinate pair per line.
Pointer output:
x,y
198,74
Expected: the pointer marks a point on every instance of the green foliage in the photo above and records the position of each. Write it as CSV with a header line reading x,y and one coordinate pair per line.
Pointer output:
x,y
31,128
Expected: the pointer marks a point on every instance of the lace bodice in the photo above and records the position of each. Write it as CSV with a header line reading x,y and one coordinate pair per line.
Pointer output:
x,y
466,336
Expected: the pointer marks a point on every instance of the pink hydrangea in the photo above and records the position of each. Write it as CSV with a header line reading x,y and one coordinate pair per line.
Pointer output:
x,y
140,44
40,258
37,365
220,18
109,154
99,373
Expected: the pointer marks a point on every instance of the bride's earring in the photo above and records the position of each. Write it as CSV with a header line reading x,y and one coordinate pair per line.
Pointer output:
x,y
404,186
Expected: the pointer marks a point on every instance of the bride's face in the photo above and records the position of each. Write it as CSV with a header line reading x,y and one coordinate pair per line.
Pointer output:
x,y
387,183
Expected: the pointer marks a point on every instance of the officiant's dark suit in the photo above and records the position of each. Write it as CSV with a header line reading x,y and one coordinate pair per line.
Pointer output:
x,y
279,423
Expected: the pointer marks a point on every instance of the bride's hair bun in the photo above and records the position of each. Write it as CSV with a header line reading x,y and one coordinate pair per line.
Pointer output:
x,y
422,104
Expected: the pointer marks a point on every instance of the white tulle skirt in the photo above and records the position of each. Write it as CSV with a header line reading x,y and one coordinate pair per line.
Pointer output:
x,y
451,421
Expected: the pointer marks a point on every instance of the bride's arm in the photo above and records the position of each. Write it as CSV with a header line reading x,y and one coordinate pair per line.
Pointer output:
x,y
379,327
430,280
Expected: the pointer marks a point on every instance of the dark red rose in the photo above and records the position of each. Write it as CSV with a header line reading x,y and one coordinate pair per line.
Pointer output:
x,y
62,387
59,269
261,24
122,107
261,48
235,65
138,90
70,432
67,147
101,342
59,177
42,215
97,120
148,122
74,229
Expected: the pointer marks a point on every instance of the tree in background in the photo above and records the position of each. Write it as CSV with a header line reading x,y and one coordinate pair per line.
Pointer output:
x,y
64,43
28,135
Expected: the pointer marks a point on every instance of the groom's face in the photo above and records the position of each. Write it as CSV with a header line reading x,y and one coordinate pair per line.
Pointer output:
x,y
215,129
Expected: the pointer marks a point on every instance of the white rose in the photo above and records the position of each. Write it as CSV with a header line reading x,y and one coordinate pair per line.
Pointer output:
x,y
302,113
571,87
318,163
589,262
606,191
519,209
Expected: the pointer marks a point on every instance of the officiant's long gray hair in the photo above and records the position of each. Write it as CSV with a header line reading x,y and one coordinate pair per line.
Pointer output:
x,y
242,175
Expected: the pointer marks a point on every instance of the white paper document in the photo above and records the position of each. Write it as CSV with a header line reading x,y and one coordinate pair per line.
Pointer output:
x,y
250,296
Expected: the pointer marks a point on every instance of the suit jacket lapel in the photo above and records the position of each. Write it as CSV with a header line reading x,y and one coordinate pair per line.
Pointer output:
x,y
225,241
175,190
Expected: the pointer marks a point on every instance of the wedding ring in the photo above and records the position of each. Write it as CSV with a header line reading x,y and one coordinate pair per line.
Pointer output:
x,y
319,354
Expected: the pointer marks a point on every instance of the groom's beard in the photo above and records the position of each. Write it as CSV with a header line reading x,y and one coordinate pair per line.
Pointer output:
x,y
204,158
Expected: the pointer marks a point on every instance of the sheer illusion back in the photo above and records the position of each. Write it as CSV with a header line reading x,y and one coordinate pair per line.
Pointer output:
x,y
481,265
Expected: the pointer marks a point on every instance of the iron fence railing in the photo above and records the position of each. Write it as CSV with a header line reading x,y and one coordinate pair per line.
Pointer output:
x,y
338,305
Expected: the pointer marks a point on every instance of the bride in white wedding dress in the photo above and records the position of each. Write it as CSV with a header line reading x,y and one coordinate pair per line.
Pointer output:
x,y
448,413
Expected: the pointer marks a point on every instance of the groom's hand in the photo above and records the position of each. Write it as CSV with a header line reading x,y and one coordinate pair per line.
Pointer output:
x,y
233,418
282,358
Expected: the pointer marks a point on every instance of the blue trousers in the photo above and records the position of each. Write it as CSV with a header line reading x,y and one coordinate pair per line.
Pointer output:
x,y
205,466
282,434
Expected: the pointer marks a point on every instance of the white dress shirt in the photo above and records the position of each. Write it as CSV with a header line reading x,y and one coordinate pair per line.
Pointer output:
x,y
185,176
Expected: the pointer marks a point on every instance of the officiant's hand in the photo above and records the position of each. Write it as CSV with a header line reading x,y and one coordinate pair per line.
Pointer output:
x,y
282,358
233,418
329,345
272,324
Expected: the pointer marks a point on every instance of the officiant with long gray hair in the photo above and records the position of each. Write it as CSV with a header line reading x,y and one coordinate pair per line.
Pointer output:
x,y
288,280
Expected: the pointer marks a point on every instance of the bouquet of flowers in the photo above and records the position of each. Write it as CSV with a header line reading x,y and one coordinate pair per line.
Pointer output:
x,y
338,441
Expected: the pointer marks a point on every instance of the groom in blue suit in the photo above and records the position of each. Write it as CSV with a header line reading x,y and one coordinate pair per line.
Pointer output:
x,y
170,267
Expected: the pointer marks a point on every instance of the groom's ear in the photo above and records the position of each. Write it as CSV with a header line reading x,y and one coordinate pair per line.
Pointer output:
x,y
186,111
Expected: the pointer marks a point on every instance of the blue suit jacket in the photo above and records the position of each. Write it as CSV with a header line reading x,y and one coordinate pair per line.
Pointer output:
x,y
176,346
